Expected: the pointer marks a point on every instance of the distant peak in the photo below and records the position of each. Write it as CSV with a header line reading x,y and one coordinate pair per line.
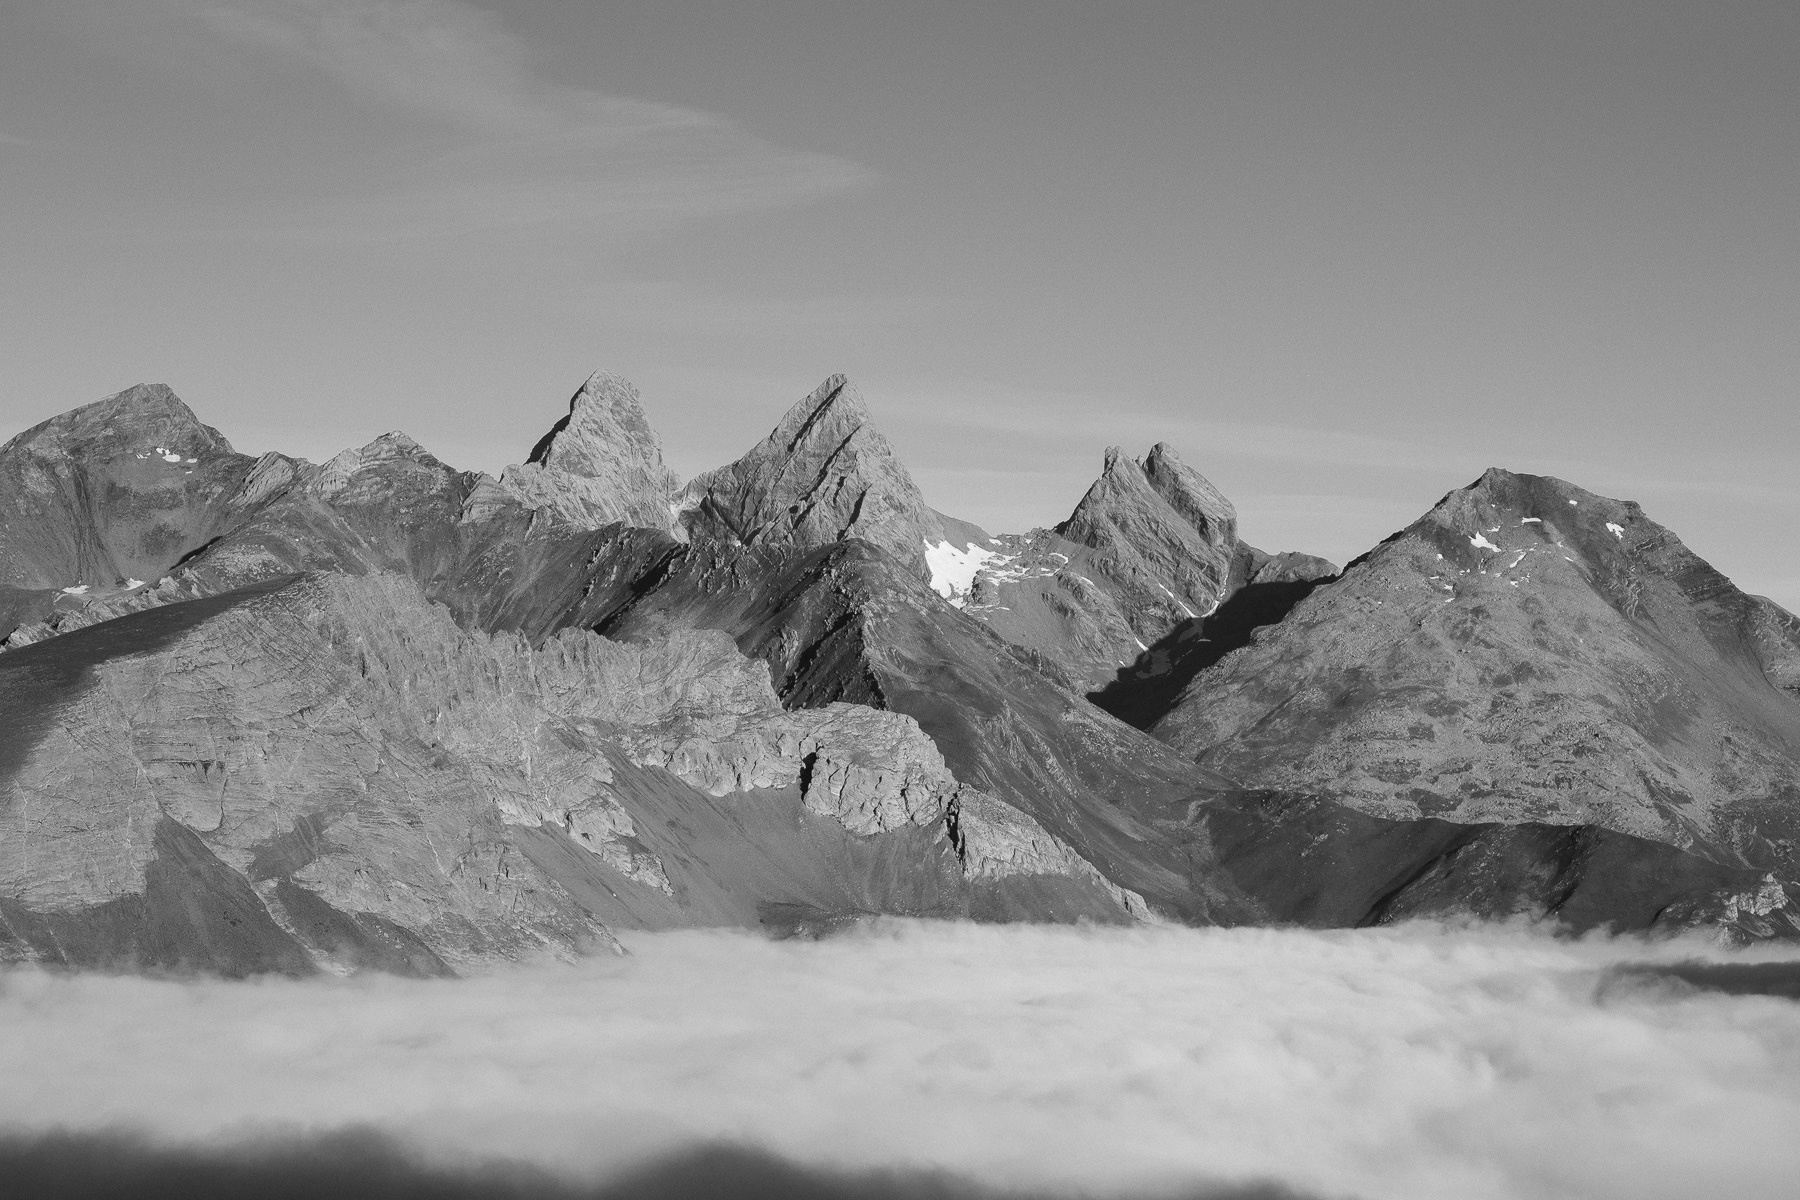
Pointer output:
x,y
599,464
395,444
604,404
144,413
833,409
824,474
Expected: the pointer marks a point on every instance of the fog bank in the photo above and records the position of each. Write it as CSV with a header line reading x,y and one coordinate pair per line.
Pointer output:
x,y
1416,1061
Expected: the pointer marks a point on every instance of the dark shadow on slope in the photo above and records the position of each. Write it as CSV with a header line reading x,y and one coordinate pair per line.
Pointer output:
x,y
1142,692
36,681
363,1165
1733,979
1308,861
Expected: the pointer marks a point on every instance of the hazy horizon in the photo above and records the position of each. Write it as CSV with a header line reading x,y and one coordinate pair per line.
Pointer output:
x,y
1342,257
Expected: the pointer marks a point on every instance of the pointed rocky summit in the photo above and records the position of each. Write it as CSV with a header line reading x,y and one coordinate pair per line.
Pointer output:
x,y
1158,525
824,475
600,464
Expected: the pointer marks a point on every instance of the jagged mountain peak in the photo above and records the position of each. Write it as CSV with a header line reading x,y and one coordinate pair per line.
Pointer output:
x,y
834,407
1128,494
147,413
824,474
605,404
600,464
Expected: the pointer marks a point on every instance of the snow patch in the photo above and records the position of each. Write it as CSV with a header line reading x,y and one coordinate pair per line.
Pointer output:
x,y
1480,542
1616,530
1573,503
1177,599
79,589
132,585
953,571
1531,520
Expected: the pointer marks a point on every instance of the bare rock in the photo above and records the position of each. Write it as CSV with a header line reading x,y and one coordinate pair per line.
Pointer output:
x,y
599,465
116,490
825,474
1526,651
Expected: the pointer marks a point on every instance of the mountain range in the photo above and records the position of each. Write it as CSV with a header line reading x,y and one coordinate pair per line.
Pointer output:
x,y
261,714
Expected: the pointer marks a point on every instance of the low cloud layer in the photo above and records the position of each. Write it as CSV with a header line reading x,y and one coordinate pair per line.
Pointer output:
x,y
1409,1062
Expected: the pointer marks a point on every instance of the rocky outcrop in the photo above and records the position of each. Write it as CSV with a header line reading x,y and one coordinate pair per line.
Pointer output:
x,y
1526,651
367,779
825,475
602,464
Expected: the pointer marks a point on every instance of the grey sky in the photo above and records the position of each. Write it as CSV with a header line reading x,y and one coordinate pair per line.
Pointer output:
x,y
1342,256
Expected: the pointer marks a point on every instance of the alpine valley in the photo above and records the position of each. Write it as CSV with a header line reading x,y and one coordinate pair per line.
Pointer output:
x,y
266,715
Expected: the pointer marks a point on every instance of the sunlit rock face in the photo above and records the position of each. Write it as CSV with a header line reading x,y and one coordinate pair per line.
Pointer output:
x,y
602,464
381,713
1526,651
824,474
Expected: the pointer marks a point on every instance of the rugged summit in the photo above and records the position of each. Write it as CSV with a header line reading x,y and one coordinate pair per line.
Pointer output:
x,y
1527,650
600,464
116,490
1150,551
825,474
1158,527
266,715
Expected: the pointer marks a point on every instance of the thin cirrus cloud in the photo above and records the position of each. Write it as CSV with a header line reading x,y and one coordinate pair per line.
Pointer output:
x,y
500,147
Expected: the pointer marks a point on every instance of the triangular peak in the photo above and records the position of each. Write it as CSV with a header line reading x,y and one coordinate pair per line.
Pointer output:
x,y
600,464
147,413
603,408
834,404
824,474
1157,487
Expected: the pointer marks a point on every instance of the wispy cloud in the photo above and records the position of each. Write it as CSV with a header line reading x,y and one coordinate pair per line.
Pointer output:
x,y
508,149
1410,1062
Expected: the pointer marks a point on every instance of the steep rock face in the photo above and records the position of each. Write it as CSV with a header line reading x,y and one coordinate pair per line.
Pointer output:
x,y
1150,551
1163,533
364,783
848,623
225,740
602,464
113,492
825,474
1526,651
846,620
